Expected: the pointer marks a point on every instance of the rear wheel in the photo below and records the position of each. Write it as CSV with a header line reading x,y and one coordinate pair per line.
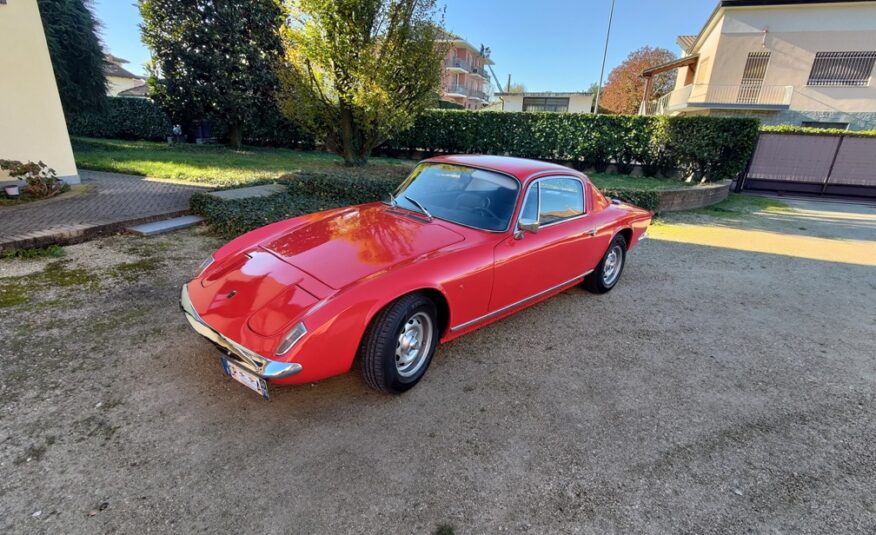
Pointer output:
x,y
398,346
609,270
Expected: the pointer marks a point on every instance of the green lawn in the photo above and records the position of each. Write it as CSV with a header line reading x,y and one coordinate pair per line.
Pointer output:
x,y
210,164
607,181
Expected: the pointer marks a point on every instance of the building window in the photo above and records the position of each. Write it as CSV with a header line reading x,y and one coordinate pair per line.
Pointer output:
x,y
752,78
545,104
842,68
825,124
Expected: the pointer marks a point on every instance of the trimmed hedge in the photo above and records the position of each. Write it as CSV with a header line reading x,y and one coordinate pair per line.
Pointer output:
x,y
143,119
123,118
714,148
307,193
647,199
808,131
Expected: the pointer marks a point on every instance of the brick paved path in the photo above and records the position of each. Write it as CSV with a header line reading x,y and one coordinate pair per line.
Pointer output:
x,y
115,202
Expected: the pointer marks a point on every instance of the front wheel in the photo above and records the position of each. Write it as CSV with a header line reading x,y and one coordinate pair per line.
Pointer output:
x,y
609,270
398,346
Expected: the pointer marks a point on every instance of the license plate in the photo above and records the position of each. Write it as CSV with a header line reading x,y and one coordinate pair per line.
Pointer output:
x,y
249,380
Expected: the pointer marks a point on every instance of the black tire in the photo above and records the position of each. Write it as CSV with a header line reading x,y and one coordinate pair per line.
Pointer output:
x,y
597,282
378,358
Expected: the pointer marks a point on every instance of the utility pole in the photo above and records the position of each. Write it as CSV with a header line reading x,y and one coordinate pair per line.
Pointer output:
x,y
604,56
508,86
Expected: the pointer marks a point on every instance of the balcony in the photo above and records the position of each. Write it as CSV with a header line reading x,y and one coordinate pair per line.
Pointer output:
x,y
457,91
458,65
750,96
477,95
480,71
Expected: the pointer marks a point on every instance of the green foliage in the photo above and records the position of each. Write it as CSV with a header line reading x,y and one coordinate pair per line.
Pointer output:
x,y
213,59
807,131
52,251
122,118
42,181
358,71
706,147
77,56
712,148
647,199
307,192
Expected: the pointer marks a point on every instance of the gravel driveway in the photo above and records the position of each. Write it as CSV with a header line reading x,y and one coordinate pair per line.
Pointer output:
x,y
715,390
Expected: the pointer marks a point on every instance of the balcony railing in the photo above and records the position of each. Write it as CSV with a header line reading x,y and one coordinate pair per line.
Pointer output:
x,y
480,71
460,64
474,93
457,90
744,96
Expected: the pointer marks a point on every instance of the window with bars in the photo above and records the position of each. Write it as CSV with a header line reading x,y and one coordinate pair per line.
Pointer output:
x,y
545,104
842,68
752,77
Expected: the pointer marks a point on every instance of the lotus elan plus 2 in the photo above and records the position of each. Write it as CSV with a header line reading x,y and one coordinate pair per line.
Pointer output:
x,y
464,241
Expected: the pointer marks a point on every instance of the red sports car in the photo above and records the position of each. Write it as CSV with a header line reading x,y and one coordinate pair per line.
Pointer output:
x,y
463,242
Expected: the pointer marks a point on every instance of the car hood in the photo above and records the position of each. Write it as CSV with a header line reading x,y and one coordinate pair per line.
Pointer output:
x,y
342,246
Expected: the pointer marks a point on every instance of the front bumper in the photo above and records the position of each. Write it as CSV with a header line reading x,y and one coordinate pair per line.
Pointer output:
x,y
250,360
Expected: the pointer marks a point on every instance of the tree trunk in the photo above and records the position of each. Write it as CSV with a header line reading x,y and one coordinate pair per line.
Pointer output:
x,y
235,135
351,141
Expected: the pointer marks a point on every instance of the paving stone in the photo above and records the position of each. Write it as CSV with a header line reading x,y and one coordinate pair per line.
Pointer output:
x,y
165,225
265,190
116,201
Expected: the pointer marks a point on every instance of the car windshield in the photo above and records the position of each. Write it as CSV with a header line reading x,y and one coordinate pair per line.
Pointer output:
x,y
459,194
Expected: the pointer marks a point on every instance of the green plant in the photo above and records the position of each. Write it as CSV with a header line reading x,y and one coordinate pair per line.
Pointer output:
x,y
647,199
808,131
52,251
356,72
122,118
42,181
712,148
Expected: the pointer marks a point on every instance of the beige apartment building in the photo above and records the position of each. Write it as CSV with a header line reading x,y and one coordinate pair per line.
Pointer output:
x,y
32,126
795,62
464,76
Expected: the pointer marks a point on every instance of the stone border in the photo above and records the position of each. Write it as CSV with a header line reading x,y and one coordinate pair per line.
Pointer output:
x,y
691,198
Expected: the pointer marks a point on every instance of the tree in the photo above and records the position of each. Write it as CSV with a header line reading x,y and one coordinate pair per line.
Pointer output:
x,y
516,88
625,87
213,58
358,71
76,52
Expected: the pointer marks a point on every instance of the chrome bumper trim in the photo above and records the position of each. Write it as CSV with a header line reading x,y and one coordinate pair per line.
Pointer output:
x,y
250,360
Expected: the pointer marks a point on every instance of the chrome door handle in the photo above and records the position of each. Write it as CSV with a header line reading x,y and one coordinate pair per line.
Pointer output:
x,y
592,232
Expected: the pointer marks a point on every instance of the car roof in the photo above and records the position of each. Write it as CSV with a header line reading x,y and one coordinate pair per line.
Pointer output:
x,y
521,168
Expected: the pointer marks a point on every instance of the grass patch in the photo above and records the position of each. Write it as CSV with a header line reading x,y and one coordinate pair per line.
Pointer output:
x,y
20,290
52,251
208,164
131,271
607,181
735,205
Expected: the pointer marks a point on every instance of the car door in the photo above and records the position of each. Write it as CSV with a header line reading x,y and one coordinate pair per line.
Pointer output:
x,y
530,263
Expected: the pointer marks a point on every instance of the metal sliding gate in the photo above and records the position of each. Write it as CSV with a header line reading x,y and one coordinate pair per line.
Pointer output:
x,y
815,164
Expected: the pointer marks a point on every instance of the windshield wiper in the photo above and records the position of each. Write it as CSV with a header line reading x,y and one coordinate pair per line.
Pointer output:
x,y
420,206
392,201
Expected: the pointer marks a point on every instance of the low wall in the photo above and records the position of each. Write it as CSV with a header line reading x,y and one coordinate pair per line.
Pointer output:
x,y
676,200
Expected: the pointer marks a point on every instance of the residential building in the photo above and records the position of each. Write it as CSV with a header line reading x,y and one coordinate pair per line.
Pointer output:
x,y
120,81
464,76
32,126
575,102
796,62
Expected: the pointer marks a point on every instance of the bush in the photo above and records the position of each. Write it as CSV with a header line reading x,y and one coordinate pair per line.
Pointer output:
x,y
123,118
706,147
307,193
808,131
647,199
712,148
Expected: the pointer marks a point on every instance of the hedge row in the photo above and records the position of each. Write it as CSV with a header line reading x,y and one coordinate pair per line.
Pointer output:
x,y
123,118
140,118
713,148
306,193
808,131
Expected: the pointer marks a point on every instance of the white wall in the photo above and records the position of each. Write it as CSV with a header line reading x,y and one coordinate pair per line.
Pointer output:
x,y
577,103
32,126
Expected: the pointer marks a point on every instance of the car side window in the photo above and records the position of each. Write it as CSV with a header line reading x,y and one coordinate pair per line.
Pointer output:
x,y
529,213
561,198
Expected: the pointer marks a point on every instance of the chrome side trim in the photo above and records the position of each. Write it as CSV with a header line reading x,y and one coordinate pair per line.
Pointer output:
x,y
518,303
246,358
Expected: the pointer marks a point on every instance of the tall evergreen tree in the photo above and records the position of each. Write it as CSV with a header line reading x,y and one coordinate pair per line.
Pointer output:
x,y
77,55
213,58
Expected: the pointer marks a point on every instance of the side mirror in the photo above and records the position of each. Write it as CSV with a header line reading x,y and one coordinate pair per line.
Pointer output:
x,y
616,201
528,227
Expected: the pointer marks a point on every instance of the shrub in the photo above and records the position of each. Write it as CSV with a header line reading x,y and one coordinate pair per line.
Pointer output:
x,y
647,199
42,181
706,147
123,118
808,131
712,148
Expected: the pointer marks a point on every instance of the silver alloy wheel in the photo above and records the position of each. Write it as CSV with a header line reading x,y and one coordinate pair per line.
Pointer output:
x,y
413,345
612,267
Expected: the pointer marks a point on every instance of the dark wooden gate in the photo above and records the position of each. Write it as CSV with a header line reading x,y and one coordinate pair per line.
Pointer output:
x,y
815,164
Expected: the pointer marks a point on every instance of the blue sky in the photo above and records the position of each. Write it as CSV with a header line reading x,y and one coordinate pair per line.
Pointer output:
x,y
548,45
